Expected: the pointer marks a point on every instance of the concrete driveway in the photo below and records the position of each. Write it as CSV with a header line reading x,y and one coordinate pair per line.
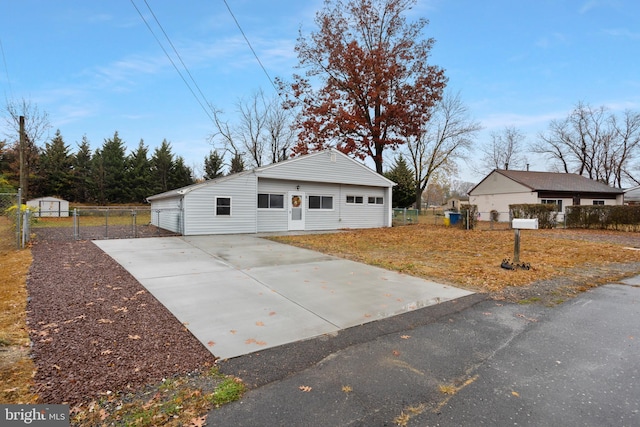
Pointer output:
x,y
239,294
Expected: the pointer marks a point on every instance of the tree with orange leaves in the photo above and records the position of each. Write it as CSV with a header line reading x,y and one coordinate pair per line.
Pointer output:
x,y
367,85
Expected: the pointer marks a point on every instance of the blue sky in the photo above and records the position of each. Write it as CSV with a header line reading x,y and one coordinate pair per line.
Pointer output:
x,y
96,68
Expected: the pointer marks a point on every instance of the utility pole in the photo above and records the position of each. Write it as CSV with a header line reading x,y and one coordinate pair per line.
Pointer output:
x,y
23,174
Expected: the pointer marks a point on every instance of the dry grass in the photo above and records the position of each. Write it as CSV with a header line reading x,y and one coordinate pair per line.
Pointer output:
x,y
95,219
471,258
16,368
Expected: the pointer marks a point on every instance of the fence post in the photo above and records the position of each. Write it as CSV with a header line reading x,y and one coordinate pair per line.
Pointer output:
x,y
18,217
76,228
133,223
25,228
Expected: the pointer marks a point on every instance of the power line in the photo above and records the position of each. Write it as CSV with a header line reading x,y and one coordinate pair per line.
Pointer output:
x,y
176,52
6,70
251,47
172,62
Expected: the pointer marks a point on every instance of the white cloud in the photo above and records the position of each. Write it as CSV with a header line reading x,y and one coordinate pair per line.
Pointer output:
x,y
622,33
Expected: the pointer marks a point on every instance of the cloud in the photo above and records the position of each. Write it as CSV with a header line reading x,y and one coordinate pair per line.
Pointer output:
x,y
622,33
552,40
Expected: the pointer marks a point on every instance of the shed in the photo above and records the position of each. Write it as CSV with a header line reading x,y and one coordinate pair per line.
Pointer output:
x,y
49,207
502,188
326,190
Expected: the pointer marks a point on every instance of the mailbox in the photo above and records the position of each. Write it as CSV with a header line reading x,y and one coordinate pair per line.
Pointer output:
x,y
524,224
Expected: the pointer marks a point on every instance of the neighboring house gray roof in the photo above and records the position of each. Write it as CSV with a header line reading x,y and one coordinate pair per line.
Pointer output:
x,y
554,181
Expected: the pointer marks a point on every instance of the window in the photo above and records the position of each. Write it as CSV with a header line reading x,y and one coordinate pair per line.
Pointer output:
x,y
358,200
321,202
271,201
223,206
598,202
375,200
558,203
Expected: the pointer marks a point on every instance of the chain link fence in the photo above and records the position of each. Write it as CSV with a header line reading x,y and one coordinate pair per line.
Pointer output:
x,y
102,222
9,203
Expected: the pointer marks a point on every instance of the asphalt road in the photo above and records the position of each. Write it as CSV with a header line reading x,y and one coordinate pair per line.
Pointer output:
x,y
469,362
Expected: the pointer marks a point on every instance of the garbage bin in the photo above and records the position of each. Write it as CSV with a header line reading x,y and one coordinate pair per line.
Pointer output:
x,y
447,220
454,217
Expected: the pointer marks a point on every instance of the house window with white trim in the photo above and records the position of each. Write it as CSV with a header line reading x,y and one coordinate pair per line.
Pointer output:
x,y
223,206
558,203
375,200
321,202
270,201
598,202
355,200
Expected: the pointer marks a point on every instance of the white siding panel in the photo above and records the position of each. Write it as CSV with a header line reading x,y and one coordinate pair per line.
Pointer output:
x,y
166,214
496,183
270,220
200,217
326,167
500,202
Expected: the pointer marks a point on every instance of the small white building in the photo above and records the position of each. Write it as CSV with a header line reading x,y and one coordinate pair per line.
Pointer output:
x,y
49,207
325,190
502,188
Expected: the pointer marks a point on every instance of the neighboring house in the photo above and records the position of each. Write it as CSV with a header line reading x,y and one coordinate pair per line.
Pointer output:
x,y
454,203
632,196
502,188
326,190
49,207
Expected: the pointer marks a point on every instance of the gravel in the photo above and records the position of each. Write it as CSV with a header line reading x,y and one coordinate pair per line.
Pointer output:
x,y
95,330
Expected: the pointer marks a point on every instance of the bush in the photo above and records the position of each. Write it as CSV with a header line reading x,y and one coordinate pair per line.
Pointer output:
x,y
546,214
603,217
469,213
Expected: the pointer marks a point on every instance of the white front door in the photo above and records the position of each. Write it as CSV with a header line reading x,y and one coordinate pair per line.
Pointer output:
x,y
296,210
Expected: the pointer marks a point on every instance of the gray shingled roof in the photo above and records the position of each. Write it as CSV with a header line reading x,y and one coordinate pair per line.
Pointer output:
x,y
553,181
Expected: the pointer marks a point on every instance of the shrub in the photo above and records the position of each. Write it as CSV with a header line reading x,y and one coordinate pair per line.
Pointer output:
x,y
546,214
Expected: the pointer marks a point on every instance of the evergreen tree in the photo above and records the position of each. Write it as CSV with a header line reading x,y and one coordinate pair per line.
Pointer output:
x,y
213,164
181,175
55,171
109,170
139,184
404,194
161,166
81,172
237,164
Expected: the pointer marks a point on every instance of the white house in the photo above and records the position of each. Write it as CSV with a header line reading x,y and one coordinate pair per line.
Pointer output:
x,y
502,188
49,207
326,190
632,196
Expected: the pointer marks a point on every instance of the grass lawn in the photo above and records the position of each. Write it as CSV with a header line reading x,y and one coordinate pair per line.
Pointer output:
x,y
16,368
471,258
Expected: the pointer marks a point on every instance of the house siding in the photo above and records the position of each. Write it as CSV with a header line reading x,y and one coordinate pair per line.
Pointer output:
x,y
342,215
167,214
326,166
328,173
200,210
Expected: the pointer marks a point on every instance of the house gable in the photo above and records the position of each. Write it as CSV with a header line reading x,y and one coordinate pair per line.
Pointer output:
x,y
329,166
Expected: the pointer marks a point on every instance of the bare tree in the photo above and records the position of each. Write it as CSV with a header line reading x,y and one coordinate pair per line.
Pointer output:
x,y
504,150
36,125
445,138
594,143
262,134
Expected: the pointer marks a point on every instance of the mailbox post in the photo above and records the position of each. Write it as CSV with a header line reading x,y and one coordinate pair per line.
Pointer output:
x,y
519,224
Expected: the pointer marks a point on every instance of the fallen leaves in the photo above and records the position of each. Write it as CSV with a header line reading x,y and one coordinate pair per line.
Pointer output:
x,y
254,341
211,343
305,388
105,321
134,337
405,337
347,389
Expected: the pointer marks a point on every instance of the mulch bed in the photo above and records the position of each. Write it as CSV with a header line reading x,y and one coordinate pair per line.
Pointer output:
x,y
95,329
